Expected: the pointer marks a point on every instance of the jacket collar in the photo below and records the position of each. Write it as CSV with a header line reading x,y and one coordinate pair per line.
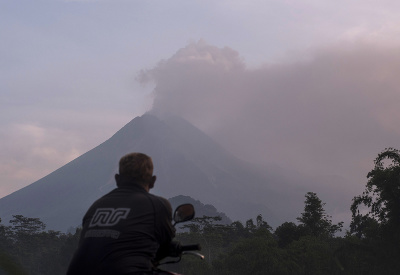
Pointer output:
x,y
130,184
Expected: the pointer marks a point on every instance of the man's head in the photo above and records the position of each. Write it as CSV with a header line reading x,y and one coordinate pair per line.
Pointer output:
x,y
136,167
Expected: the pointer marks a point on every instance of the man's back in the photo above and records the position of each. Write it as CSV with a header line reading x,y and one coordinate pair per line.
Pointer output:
x,y
122,233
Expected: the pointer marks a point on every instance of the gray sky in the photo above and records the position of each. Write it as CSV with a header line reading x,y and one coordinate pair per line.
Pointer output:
x,y
308,85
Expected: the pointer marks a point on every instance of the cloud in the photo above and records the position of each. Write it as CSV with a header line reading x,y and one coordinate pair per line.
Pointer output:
x,y
30,148
195,78
331,114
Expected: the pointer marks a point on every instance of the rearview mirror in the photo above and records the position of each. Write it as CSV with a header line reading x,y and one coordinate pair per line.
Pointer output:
x,y
183,213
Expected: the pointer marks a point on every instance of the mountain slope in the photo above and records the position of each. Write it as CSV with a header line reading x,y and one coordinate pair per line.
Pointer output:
x,y
187,162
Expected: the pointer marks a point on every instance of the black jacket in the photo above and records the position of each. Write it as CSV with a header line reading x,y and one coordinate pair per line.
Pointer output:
x,y
123,232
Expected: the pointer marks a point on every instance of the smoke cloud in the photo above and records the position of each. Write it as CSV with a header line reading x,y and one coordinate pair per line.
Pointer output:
x,y
329,115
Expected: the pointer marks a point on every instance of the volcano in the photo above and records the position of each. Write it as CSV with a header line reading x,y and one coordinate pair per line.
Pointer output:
x,y
186,161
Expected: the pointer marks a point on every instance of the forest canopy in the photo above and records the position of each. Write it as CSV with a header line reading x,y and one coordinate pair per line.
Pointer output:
x,y
309,245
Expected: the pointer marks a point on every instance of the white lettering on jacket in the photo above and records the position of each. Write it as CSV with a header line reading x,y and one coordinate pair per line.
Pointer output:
x,y
108,216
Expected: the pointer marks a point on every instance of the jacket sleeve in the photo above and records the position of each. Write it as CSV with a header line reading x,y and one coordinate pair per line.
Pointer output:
x,y
165,231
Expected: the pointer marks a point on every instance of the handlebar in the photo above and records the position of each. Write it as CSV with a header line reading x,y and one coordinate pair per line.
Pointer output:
x,y
190,247
176,249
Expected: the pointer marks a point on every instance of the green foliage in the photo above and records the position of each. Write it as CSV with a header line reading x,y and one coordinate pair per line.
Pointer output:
x,y
371,247
313,255
229,249
314,219
255,255
9,266
288,232
373,243
25,248
24,225
367,256
381,199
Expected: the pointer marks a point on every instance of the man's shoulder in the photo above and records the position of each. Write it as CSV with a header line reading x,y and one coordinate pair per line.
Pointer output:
x,y
155,197
161,200
104,197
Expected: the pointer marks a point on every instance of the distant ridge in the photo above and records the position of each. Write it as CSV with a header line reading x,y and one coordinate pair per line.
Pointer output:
x,y
187,162
200,208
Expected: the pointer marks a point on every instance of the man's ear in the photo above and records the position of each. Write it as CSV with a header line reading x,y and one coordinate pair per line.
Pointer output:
x,y
117,178
152,181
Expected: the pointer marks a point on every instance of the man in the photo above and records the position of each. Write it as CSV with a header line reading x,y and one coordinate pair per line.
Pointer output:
x,y
128,229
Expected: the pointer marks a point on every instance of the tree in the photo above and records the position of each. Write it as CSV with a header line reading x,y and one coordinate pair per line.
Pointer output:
x,y
313,255
288,232
257,254
21,224
314,219
201,224
381,199
262,224
209,232
8,265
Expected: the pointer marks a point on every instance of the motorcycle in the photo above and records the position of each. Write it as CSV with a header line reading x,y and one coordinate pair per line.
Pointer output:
x,y
183,213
